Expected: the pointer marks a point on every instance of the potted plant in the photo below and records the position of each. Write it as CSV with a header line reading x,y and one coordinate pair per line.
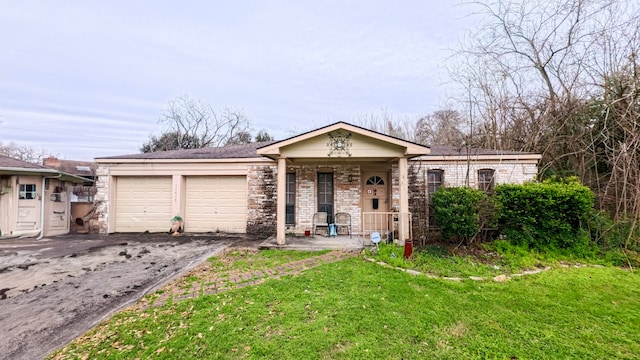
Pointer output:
x,y
177,224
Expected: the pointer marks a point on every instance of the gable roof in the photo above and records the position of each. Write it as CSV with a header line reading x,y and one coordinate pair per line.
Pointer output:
x,y
11,166
411,149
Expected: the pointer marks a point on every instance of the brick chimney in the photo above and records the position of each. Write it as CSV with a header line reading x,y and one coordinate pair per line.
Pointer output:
x,y
51,161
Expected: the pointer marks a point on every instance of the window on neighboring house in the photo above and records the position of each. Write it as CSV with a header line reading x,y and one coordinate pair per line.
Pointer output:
x,y
27,192
325,194
290,215
434,181
485,180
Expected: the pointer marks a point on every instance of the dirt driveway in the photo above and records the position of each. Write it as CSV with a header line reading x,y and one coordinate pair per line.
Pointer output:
x,y
54,289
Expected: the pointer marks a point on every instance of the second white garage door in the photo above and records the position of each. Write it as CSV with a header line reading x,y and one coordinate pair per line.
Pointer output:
x,y
216,203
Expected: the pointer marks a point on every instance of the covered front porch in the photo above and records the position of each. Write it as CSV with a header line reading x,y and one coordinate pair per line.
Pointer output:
x,y
342,169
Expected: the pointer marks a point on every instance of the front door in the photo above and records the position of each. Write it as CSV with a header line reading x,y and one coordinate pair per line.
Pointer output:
x,y
375,202
28,204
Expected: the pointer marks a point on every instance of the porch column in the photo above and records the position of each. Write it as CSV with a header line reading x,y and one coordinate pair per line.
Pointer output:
x,y
404,200
280,201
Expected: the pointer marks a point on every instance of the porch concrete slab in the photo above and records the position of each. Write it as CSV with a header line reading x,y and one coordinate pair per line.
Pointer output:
x,y
315,243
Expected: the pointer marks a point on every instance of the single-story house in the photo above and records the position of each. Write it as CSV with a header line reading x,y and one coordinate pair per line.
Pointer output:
x,y
34,199
379,181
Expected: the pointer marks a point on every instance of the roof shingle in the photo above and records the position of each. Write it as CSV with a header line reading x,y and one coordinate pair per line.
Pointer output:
x,y
9,162
225,152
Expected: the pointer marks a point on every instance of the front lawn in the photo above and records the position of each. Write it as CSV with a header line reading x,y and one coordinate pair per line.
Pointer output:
x,y
357,309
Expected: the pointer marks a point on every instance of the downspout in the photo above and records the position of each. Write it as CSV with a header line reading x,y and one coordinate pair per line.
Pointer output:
x,y
42,200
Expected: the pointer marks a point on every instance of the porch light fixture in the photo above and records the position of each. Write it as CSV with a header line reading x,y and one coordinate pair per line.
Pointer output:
x,y
350,178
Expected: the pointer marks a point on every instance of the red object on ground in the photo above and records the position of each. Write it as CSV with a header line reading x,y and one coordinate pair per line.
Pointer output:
x,y
408,248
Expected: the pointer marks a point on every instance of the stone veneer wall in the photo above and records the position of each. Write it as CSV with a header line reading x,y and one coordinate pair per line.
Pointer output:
x,y
418,201
101,200
262,200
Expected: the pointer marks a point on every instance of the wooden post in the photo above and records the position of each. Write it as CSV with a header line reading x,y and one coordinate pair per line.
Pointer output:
x,y
281,203
404,200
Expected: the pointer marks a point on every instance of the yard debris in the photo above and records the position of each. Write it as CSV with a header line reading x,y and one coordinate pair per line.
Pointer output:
x,y
500,278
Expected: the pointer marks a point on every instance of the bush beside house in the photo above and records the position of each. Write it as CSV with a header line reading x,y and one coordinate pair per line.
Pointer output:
x,y
554,213
457,211
549,215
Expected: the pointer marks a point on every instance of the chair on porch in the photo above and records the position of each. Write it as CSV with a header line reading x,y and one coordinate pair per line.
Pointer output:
x,y
320,220
343,219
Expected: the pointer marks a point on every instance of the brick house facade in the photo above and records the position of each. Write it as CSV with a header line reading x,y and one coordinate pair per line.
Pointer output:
x,y
275,188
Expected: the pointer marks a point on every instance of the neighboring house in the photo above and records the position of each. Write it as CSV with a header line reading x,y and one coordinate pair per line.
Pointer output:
x,y
83,192
81,195
34,199
277,187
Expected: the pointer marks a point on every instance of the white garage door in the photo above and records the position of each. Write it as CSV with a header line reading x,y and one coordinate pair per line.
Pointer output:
x,y
143,204
216,203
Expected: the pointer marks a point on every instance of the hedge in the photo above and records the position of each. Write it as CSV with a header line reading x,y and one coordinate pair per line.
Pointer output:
x,y
553,213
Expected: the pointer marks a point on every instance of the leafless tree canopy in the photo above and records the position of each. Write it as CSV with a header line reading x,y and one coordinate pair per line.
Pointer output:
x,y
559,77
24,153
191,123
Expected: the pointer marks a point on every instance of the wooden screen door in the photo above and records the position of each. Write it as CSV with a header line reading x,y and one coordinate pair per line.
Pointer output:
x,y
375,199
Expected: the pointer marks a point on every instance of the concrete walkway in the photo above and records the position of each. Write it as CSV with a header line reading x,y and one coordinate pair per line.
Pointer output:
x,y
316,242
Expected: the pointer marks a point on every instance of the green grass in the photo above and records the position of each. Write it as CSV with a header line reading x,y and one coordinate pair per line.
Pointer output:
x,y
355,309
488,260
244,260
436,260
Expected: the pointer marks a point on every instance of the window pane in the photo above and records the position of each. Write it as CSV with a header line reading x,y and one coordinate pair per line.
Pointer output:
x,y
434,180
485,180
375,180
325,194
27,191
290,199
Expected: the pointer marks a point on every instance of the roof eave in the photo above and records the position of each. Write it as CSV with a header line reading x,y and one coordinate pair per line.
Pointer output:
x,y
43,172
169,161
536,157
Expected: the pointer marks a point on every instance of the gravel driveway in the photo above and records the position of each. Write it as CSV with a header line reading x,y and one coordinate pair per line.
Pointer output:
x,y
54,289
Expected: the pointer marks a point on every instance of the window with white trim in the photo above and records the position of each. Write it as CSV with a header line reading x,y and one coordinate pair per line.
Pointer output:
x,y
27,192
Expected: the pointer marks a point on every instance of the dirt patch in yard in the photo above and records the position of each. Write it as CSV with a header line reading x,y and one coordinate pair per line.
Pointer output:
x,y
54,289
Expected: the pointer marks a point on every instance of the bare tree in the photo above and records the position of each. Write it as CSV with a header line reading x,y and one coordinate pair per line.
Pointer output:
x,y
442,127
384,122
559,77
170,141
24,152
189,119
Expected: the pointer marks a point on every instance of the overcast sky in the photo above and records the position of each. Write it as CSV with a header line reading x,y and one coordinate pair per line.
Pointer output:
x,y
85,79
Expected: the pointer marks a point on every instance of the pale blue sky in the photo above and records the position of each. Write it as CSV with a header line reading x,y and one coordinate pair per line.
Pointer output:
x,y
85,79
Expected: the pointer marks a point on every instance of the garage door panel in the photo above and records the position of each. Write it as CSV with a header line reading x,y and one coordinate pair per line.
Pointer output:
x,y
143,204
216,203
